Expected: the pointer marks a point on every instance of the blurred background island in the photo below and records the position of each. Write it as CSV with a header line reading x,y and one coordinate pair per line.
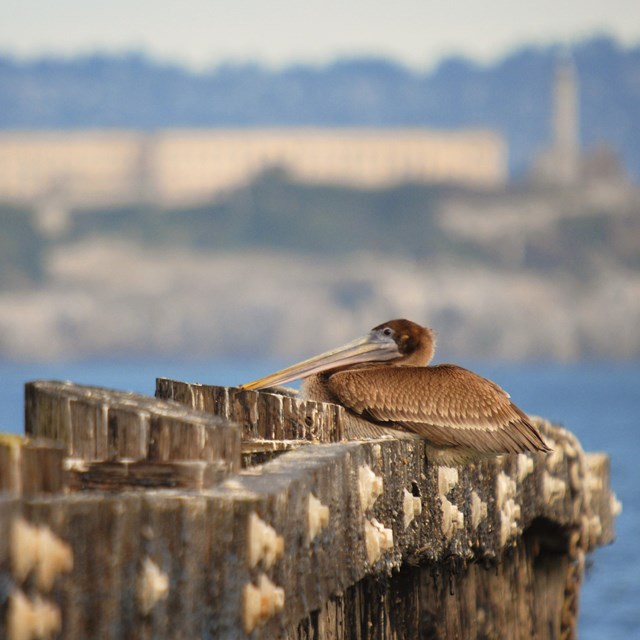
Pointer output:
x,y
148,208
208,191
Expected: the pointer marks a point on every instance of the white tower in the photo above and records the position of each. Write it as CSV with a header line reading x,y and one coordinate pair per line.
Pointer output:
x,y
566,134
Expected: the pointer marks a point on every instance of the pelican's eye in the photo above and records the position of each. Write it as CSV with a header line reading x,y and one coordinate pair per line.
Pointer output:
x,y
387,332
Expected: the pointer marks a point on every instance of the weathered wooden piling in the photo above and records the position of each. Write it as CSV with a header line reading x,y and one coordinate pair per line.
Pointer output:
x,y
152,530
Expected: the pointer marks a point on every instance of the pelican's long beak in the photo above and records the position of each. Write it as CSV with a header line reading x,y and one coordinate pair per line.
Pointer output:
x,y
372,348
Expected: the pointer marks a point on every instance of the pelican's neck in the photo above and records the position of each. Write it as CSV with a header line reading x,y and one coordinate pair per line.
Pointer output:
x,y
419,351
315,388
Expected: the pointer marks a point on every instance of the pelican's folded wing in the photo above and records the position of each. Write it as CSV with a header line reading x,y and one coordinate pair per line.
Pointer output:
x,y
448,405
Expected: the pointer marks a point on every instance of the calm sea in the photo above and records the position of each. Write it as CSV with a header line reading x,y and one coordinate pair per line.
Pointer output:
x,y
599,402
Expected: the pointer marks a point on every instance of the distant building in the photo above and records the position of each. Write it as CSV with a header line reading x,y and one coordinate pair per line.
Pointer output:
x,y
564,164
98,168
560,164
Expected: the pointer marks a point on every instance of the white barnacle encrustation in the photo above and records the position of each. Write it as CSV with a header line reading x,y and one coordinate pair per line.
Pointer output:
x,y
370,487
591,529
378,538
478,510
615,504
509,510
553,459
452,517
509,516
263,542
31,618
525,466
153,585
447,479
553,489
37,548
576,477
261,602
505,489
317,516
411,507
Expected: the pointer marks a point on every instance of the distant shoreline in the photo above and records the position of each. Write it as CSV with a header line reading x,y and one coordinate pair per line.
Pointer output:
x,y
104,297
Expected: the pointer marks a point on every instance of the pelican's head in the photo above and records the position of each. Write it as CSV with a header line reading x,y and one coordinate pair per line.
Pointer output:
x,y
415,344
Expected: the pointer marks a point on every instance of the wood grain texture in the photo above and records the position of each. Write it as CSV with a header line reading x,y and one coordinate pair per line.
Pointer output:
x,y
263,416
97,424
31,466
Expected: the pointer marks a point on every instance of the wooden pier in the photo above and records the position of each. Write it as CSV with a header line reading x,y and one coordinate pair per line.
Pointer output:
x,y
213,512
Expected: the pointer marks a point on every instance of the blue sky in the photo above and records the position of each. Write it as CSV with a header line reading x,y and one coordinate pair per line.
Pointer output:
x,y
201,33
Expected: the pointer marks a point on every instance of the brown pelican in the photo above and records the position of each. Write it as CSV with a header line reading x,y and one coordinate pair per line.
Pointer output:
x,y
383,380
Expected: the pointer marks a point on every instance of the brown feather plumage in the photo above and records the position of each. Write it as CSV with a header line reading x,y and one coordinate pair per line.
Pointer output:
x,y
448,405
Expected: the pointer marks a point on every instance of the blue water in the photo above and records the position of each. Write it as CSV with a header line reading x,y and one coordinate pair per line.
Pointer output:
x,y
599,402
